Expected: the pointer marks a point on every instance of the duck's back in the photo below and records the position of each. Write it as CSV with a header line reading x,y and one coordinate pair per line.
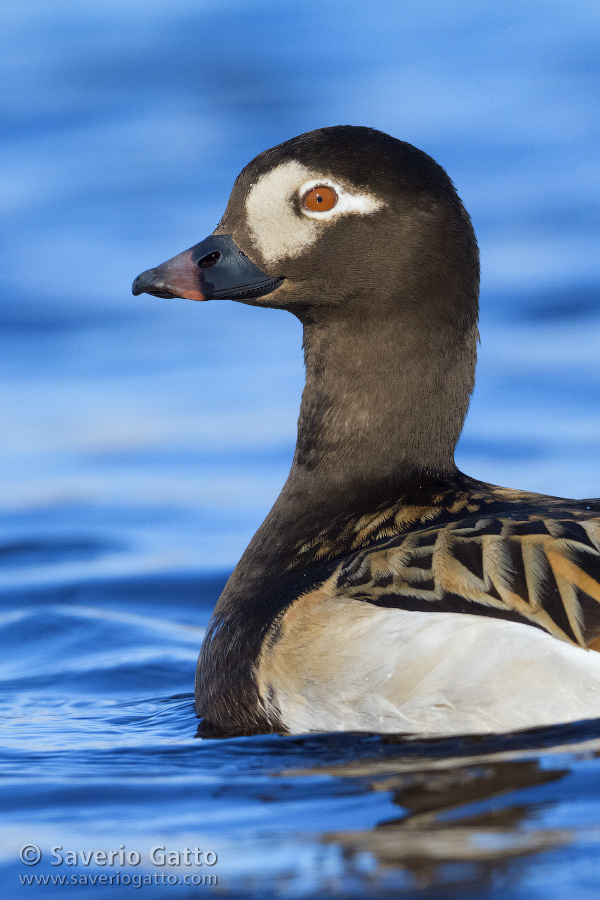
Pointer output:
x,y
469,610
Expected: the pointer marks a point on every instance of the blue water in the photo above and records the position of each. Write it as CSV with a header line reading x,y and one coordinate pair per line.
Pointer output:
x,y
144,440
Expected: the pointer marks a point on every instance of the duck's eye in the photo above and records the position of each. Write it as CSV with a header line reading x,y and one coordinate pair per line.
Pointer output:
x,y
320,198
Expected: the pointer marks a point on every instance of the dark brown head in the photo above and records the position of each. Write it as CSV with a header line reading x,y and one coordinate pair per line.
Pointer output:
x,y
340,219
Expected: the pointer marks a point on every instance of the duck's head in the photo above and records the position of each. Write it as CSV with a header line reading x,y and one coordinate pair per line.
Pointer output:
x,y
340,220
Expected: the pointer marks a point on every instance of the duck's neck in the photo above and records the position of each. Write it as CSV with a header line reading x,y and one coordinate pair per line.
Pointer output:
x,y
379,404
382,409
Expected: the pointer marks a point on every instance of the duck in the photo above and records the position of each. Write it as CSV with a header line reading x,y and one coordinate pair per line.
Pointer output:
x,y
386,591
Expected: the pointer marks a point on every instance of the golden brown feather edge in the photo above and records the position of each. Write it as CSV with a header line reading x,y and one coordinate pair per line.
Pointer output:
x,y
479,550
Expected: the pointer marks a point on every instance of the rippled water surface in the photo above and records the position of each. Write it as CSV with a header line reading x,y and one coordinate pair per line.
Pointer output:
x,y
144,440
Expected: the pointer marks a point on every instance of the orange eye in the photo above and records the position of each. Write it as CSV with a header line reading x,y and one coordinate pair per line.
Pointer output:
x,y
320,198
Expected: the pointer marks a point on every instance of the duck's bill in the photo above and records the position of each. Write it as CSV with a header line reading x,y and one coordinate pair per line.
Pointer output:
x,y
214,269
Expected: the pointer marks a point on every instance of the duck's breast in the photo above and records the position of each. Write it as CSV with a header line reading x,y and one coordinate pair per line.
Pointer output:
x,y
336,664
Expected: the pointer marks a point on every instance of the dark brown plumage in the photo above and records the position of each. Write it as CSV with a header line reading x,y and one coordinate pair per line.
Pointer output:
x,y
374,510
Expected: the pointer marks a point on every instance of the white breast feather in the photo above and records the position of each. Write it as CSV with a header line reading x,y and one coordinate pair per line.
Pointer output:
x,y
388,670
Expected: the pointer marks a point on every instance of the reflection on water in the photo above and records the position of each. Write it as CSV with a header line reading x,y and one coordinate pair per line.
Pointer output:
x,y
438,826
462,820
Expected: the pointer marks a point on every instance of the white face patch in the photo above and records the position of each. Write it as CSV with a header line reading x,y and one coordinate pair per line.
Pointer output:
x,y
273,203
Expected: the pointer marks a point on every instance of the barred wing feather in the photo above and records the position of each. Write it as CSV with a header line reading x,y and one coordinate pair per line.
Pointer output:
x,y
545,571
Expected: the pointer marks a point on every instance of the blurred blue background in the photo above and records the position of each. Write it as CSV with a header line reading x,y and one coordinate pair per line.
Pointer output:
x,y
143,440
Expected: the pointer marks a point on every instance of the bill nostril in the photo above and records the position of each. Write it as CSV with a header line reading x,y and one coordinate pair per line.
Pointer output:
x,y
209,260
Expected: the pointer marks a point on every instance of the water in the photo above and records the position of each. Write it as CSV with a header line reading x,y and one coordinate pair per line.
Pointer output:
x,y
144,440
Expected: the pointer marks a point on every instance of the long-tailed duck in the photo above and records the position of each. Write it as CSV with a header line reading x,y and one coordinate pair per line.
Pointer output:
x,y
385,591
